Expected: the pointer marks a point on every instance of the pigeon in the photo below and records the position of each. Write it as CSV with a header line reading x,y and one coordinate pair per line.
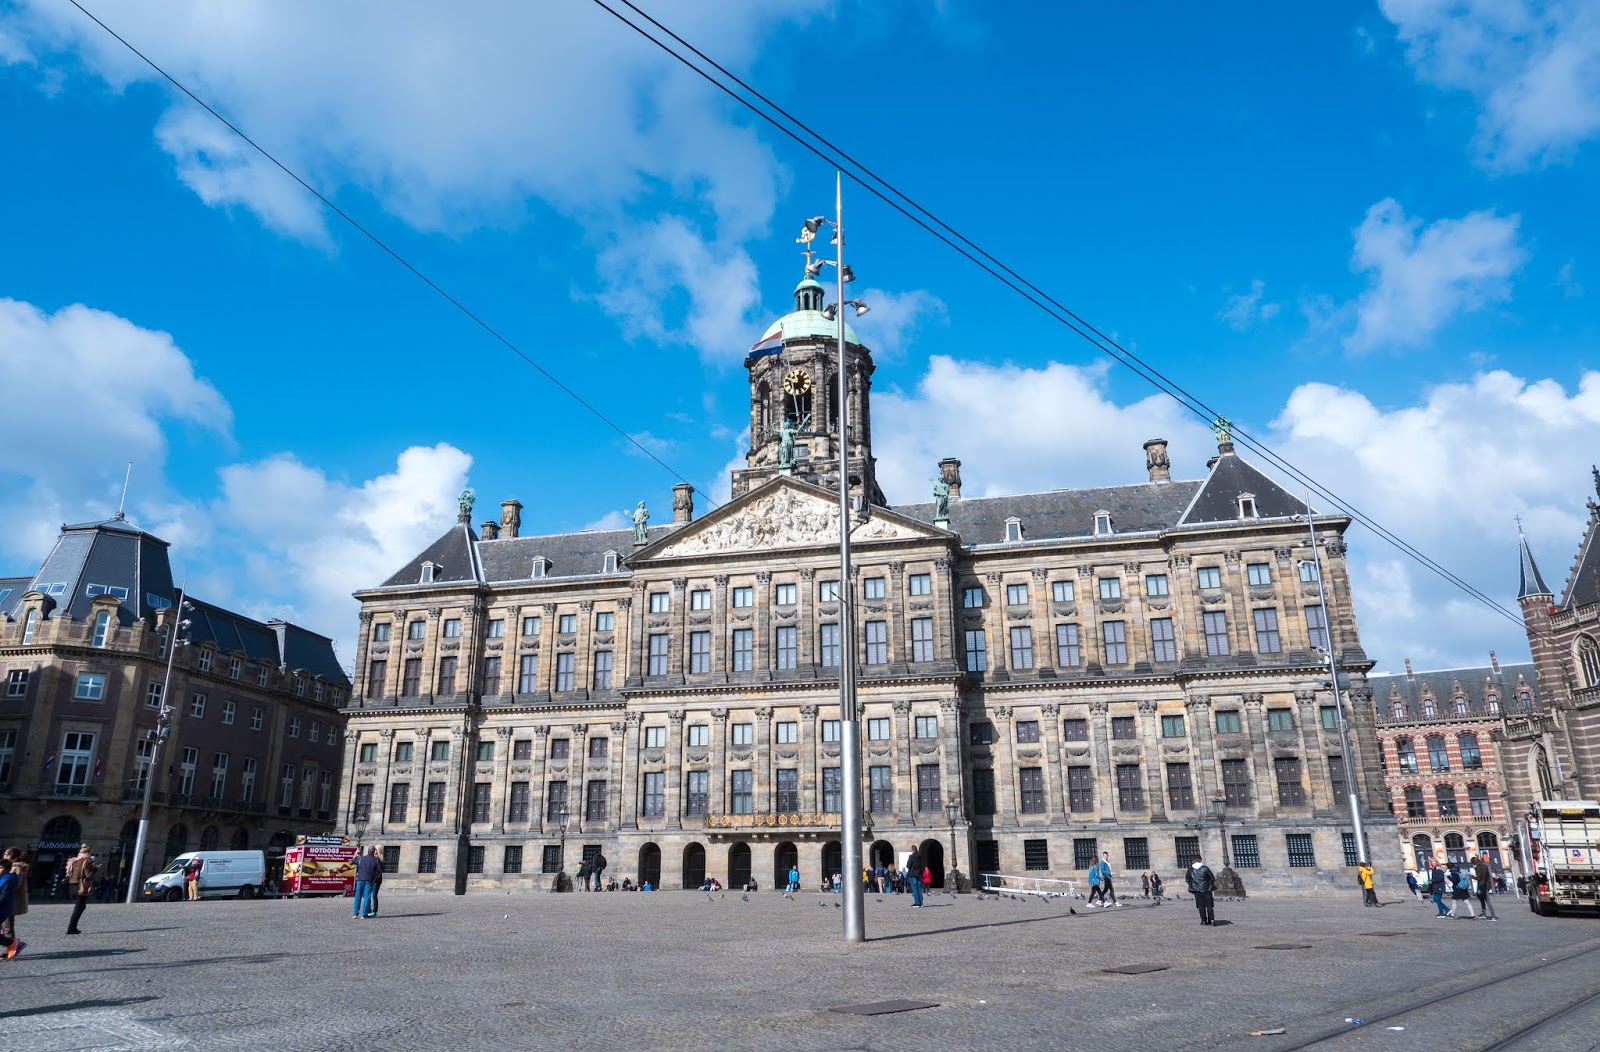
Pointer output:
x,y
821,905
708,898
837,906
745,897
1072,911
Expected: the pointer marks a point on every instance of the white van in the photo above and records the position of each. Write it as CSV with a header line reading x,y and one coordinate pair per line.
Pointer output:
x,y
223,874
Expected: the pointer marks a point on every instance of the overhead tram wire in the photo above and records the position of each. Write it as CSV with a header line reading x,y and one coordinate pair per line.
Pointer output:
x,y
954,239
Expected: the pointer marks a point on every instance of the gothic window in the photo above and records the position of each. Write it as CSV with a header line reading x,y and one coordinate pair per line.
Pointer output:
x,y
1589,660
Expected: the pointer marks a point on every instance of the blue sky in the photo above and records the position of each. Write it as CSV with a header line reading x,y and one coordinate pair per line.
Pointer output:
x,y
1364,230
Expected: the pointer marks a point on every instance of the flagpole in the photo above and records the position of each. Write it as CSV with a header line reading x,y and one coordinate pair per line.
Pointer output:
x,y
162,730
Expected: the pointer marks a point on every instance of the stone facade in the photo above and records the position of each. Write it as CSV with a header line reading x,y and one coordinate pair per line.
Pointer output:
x,y
1041,677
256,729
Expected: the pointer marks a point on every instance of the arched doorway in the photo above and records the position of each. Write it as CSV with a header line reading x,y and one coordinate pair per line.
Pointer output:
x,y
63,833
210,838
1489,844
177,842
1422,850
832,860
57,843
933,861
1455,847
881,854
738,865
650,865
694,866
784,858
241,839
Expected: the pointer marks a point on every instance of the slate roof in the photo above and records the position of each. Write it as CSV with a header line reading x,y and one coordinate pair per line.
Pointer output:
x,y
1475,683
460,557
1583,583
1530,582
11,592
1064,512
1232,477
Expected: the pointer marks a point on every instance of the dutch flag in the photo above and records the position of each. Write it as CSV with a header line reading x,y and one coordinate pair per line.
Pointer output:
x,y
766,347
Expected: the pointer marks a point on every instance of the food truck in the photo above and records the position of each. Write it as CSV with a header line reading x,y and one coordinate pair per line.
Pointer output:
x,y
319,865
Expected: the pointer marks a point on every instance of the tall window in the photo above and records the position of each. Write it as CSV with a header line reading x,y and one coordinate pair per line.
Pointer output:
x,y
1180,790
1080,790
1478,796
983,791
1068,653
1302,854
77,758
527,673
1130,787
1407,755
411,680
928,795
594,806
1030,791
658,644
219,775
361,810
828,640
1291,790
1114,634
1236,783
491,675
247,780
832,791
447,675
1021,647
566,671
377,672
1317,626
976,651
922,639
654,804
1446,796
1085,852
400,801
699,652
1187,850
480,801
880,790
1215,623
787,799
1438,755
787,645
602,669
697,793
1267,639
744,649
877,642
741,792
30,625
555,800
102,628
1163,641
1471,758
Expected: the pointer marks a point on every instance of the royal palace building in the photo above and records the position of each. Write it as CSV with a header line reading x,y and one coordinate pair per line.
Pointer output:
x,y
1139,669
254,723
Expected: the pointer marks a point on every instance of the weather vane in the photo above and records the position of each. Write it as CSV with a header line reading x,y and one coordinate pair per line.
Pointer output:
x,y
807,235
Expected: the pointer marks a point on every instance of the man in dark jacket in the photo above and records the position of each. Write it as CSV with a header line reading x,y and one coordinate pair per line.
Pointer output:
x,y
1202,885
914,875
1437,888
597,870
1480,872
369,871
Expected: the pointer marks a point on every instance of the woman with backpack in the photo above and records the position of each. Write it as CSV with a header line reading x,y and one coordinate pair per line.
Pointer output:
x,y
1461,890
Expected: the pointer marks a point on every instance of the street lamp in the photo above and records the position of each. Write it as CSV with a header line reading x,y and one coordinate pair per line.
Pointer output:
x,y
855,929
561,854
158,734
952,809
360,822
1333,684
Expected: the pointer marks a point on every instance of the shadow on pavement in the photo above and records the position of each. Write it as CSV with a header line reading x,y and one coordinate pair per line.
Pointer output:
x,y
75,955
75,1006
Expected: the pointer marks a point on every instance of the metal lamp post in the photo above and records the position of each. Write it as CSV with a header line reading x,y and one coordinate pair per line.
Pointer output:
x,y
561,855
162,730
1338,703
952,809
360,822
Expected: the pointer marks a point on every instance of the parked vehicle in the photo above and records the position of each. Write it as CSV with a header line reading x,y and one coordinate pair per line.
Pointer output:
x,y
1562,853
223,874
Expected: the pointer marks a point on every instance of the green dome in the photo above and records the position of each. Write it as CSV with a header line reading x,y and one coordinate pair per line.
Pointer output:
x,y
803,323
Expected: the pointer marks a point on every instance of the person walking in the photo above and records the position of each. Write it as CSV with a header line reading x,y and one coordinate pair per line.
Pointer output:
x,y
1203,886
368,872
1411,882
80,874
1144,879
583,875
18,857
1105,880
1155,887
794,878
1369,894
8,905
1096,889
1485,880
1436,890
914,875
377,882
1461,890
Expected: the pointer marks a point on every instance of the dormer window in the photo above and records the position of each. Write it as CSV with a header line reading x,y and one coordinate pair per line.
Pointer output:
x,y
1102,523
541,566
1494,703
1013,530
1399,709
102,628
30,625
1247,506
1461,705
610,563
427,572
1427,707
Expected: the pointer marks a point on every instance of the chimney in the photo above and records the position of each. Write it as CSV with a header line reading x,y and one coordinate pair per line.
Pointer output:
x,y
491,530
950,471
1409,673
682,503
1155,460
1494,662
510,517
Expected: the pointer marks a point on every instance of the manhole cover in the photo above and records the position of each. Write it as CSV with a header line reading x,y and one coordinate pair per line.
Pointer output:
x,y
1136,969
884,1007
1385,934
1285,946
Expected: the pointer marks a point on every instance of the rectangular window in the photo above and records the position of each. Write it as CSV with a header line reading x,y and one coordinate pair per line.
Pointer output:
x,y
1208,577
512,862
1215,623
152,697
1075,729
659,642
1228,721
1348,842
699,652
1172,727
411,678
828,637
1236,783
1286,770
741,734
1267,639
697,798
555,800
234,668
594,807
191,759
927,726
920,584
485,750
567,624
1124,729
566,671
744,649
605,621
654,737
1136,852
1085,852
786,642
1280,720
1036,854
1155,584
1061,591
700,599
827,591
1301,853
399,801
744,596
1030,791
832,791
380,632
497,628
1246,852
1080,790
786,595
491,675
1187,850
261,674
402,752
1068,652
480,801
602,669
427,859
1330,717
531,626
257,715
219,776
205,661
699,736
368,753
439,751
1336,778
922,639
1180,790
91,686
522,749
981,732
452,628
377,673
1130,787
880,791
654,804
983,791
976,651
528,674
294,724
877,636
17,687
1258,574
788,732
1114,634
433,808
1163,640
873,588
788,791
972,598
447,675
416,630
741,792
1027,730
1016,595
475,858
1317,626
929,798
550,860
228,711
660,602
1021,647
878,729
1110,588
830,730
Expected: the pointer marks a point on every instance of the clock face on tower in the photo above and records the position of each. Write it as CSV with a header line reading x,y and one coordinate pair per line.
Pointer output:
x,y
796,382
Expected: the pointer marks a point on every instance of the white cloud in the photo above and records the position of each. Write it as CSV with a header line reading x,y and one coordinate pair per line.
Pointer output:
x,y
1244,310
611,520
1533,66
1423,276
1566,280
895,317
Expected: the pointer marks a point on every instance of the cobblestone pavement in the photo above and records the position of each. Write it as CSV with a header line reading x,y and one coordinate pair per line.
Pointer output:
x,y
671,970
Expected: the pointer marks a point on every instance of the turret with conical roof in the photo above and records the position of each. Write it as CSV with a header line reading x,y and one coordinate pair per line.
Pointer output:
x,y
1531,584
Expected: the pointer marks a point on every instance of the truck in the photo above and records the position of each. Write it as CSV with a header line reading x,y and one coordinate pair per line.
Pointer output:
x,y
223,874
1561,856
319,865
